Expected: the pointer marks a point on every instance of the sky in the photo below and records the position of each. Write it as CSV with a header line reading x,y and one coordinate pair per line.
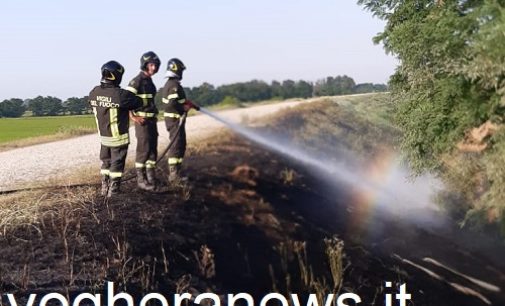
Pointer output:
x,y
57,47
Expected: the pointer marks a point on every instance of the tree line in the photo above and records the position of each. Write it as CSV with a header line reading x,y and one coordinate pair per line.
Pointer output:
x,y
256,90
44,106
206,94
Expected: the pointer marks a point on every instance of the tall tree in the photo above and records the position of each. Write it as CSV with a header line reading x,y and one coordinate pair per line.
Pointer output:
x,y
205,94
45,106
12,108
444,84
76,106
303,89
331,86
36,105
288,88
53,106
277,90
451,79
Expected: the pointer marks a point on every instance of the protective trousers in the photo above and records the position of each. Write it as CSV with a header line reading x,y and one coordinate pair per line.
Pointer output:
x,y
147,144
113,160
178,148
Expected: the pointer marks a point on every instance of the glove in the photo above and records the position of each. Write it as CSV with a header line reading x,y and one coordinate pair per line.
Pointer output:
x,y
189,105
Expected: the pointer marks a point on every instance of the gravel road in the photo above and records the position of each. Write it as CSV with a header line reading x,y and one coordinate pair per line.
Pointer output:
x,y
26,166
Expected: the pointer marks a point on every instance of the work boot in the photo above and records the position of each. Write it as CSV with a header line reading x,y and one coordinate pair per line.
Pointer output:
x,y
174,175
105,185
142,182
114,187
151,176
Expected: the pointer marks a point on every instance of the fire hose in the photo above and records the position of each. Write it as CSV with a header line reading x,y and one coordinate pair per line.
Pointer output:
x,y
181,123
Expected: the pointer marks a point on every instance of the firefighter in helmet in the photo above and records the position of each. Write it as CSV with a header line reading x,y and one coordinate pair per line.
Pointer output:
x,y
175,105
111,106
145,119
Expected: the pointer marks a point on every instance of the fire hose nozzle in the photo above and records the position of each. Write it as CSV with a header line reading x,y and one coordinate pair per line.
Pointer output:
x,y
190,104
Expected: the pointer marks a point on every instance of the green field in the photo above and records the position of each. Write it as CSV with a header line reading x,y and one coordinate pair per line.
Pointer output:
x,y
29,127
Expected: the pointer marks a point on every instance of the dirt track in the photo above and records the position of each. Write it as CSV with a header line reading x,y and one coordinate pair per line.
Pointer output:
x,y
22,167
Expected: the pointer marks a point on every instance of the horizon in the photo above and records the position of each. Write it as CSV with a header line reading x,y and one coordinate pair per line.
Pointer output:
x,y
124,84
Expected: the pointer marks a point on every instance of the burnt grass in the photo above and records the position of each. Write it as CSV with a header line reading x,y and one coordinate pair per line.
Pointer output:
x,y
222,232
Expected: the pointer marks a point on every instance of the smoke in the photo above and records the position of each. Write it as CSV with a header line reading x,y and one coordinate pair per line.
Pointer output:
x,y
391,189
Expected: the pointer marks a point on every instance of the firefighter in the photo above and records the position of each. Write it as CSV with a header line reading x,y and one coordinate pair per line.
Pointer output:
x,y
176,104
111,106
145,119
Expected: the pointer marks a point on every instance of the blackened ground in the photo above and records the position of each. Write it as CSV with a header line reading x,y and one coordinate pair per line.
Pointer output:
x,y
223,231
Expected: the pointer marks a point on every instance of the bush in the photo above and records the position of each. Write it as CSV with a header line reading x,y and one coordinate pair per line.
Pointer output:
x,y
451,79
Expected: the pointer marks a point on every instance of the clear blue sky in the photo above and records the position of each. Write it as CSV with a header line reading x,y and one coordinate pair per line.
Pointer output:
x,y
57,47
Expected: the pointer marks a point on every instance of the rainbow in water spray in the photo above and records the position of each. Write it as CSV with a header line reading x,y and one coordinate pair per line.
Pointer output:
x,y
381,185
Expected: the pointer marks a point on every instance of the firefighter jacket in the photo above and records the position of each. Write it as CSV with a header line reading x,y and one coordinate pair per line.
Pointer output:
x,y
143,86
111,105
173,96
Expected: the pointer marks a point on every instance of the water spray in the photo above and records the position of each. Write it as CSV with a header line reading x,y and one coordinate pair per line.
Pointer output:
x,y
345,175
393,194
